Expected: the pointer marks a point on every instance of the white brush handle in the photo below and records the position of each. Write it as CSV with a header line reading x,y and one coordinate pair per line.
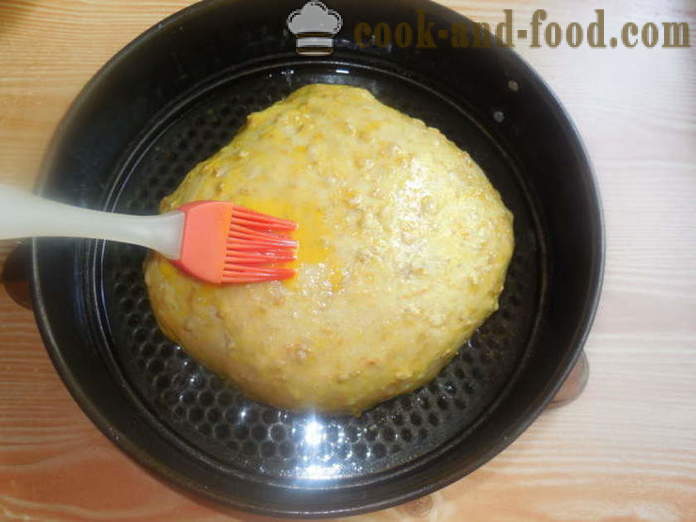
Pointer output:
x,y
25,215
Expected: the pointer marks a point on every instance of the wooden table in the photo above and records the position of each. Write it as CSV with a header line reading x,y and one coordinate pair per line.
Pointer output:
x,y
625,450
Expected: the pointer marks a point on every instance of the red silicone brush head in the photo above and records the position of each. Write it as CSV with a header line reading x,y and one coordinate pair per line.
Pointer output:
x,y
224,243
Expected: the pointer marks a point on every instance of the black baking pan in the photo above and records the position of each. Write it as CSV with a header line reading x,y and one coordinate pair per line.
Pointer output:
x,y
183,89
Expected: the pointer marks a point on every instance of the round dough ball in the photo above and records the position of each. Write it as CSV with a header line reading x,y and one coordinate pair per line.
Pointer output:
x,y
404,246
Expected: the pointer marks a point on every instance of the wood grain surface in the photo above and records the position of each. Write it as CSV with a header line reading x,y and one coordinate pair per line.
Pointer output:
x,y
626,450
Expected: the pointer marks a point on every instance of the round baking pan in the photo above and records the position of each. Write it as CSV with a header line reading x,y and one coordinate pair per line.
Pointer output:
x,y
176,95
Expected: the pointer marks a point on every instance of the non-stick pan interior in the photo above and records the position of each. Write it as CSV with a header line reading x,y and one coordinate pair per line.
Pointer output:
x,y
208,416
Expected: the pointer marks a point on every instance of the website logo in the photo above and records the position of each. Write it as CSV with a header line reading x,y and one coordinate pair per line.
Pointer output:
x,y
315,26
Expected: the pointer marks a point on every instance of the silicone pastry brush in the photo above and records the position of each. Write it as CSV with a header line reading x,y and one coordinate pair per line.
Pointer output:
x,y
215,241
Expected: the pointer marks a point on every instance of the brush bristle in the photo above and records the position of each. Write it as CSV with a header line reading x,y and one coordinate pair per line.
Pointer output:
x,y
257,221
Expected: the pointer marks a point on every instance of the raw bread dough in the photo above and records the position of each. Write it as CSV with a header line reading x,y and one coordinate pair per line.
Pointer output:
x,y
404,249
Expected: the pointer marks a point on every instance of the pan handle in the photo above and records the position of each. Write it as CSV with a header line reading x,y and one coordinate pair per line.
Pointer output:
x,y
574,384
15,275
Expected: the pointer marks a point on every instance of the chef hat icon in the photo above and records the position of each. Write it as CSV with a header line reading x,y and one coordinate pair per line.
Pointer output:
x,y
315,25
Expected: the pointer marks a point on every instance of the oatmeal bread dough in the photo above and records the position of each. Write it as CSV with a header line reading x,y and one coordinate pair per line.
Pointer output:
x,y
404,246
